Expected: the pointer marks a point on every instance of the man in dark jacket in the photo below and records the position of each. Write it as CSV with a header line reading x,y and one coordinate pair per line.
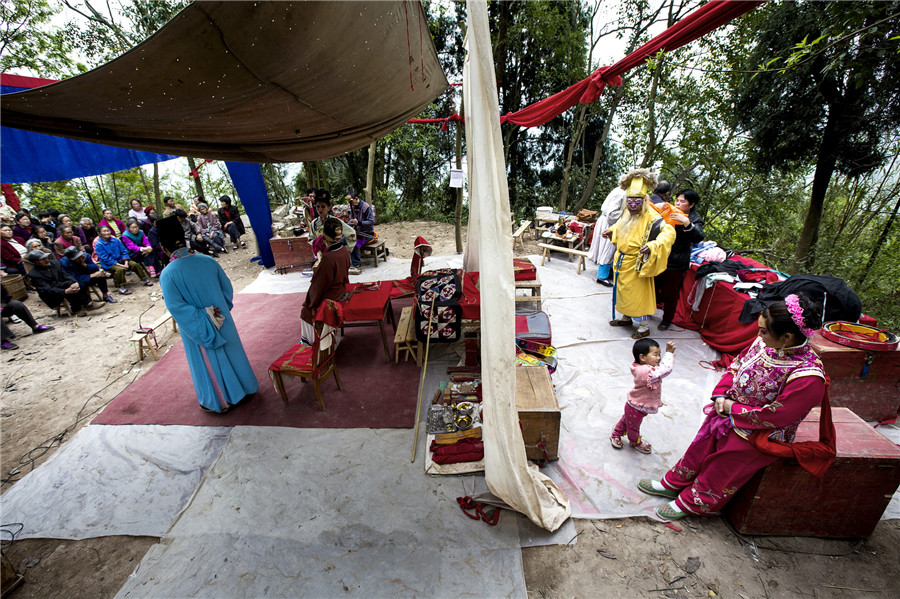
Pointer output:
x,y
54,285
687,233
230,221
81,268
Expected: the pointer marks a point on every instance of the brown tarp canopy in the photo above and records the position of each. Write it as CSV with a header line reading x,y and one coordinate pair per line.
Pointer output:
x,y
250,82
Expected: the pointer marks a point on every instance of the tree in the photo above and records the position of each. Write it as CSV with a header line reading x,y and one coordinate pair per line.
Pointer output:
x,y
28,43
826,95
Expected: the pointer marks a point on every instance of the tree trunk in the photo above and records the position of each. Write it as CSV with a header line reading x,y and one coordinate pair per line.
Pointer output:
x,y
577,129
825,164
140,170
157,197
87,190
115,188
878,245
370,174
457,213
103,202
598,150
198,185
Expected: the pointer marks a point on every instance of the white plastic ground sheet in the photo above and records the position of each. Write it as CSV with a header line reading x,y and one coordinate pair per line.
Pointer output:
x,y
324,513
113,480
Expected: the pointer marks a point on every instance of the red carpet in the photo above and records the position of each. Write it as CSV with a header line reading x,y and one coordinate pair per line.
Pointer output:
x,y
377,393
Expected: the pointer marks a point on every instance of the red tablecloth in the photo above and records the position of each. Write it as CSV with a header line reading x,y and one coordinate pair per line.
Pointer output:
x,y
717,316
367,304
471,297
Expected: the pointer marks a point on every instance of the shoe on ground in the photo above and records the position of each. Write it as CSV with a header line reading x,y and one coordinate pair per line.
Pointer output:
x,y
667,513
640,334
615,440
110,300
82,313
225,410
354,270
605,282
215,254
123,291
620,323
236,248
646,485
42,328
148,283
664,326
642,447
10,345
15,318
243,244
95,306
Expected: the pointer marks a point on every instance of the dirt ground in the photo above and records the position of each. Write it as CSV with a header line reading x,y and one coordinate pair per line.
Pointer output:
x,y
57,381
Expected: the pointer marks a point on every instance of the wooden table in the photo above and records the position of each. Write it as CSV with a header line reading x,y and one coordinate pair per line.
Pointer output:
x,y
368,308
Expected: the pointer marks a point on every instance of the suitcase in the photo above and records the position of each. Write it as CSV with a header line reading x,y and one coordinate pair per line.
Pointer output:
x,y
867,382
533,325
785,499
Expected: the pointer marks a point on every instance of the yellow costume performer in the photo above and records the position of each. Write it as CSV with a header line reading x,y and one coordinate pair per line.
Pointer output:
x,y
635,293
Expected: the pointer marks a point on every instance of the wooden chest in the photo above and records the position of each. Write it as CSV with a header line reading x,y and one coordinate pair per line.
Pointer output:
x,y
784,499
873,394
539,414
291,253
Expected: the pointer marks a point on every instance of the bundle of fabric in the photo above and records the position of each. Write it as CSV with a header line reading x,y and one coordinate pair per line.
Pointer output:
x,y
839,301
442,290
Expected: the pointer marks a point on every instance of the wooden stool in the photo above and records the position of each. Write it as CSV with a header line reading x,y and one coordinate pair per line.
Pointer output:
x,y
142,340
580,254
405,337
517,236
376,250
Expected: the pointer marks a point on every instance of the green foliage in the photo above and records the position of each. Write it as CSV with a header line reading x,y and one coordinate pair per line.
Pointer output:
x,y
29,45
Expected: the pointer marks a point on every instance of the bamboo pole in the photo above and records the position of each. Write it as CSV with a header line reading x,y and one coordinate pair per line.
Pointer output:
x,y
422,380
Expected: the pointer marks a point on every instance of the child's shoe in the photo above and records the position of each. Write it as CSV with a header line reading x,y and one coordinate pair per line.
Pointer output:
x,y
616,440
152,270
642,446
648,486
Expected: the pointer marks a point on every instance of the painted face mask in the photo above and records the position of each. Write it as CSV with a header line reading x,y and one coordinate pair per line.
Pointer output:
x,y
634,203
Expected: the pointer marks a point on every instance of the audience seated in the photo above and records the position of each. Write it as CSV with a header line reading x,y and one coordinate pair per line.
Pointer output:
x,y
55,286
192,235
116,226
153,238
210,228
81,268
39,232
30,246
22,228
137,211
139,248
15,308
230,221
12,251
87,232
147,223
170,206
67,238
114,258
48,222
64,219
323,207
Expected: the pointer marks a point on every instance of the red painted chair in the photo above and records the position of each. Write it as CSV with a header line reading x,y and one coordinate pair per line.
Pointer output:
x,y
314,362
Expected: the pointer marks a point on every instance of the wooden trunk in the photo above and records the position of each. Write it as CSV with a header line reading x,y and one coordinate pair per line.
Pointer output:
x,y
291,253
785,499
873,393
539,414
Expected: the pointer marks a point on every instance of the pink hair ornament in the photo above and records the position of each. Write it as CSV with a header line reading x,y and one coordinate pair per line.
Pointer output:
x,y
793,305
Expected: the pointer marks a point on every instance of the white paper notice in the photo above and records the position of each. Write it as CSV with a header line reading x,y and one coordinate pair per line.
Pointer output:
x,y
456,178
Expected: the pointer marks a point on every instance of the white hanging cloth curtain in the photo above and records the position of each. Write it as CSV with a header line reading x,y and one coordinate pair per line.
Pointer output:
x,y
489,251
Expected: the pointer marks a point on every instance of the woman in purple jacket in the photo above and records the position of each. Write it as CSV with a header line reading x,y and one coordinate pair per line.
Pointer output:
x,y
139,248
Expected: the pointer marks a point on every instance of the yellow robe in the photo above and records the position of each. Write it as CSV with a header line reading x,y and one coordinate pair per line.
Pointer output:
x,y
635,291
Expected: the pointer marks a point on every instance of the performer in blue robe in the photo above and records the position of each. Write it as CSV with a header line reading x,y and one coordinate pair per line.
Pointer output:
x,y
191,283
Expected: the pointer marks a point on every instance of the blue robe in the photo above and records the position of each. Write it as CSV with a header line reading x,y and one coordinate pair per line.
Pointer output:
x,y
189,285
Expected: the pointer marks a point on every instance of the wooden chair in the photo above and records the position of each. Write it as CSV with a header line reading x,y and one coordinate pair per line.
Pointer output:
x,y
314,362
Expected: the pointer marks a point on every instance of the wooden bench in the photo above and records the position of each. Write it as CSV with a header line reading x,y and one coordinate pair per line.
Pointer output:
x,y
405,337
517,236
580,254
142,339
376,249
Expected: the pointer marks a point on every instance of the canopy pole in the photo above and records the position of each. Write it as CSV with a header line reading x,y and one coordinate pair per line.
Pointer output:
x,y
422,380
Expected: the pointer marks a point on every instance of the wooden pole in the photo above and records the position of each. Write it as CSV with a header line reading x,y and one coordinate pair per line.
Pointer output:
x,y
422,380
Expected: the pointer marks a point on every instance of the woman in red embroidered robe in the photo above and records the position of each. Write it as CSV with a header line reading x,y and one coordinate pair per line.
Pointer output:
x,y
771,386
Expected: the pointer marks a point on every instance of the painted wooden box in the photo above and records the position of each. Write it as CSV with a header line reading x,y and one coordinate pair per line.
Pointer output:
x,y
539,414
784,499
872,393
291,254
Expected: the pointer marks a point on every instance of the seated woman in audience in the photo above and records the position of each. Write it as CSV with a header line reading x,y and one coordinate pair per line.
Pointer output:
x,y
81,268
15,308
67,238
55,286
116,227
230,221
139,248
64,219
22,228
42,234
88,233
210,228
153,238
137,211
147,223
13,251
114,258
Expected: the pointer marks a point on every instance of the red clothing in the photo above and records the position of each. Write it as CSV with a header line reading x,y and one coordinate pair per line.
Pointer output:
x,y
772,393
328,282
117,232
11,256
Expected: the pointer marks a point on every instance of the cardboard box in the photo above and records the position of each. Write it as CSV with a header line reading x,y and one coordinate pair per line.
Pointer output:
x,y
873,394
539,413
785,499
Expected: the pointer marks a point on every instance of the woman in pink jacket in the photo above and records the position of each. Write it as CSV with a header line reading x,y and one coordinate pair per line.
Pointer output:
x,y
139,248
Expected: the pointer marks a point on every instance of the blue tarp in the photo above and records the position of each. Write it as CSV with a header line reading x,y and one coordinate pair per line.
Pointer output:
x,y
35,158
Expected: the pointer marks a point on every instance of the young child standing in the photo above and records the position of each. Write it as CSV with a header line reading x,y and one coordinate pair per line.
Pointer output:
x,y
648,370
